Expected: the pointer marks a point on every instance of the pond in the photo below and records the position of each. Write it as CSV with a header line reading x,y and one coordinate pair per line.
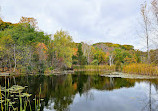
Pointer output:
x,y
80,92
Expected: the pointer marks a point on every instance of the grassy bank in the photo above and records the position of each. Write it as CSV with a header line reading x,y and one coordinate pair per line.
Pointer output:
x,y
94,68
143,69
135,68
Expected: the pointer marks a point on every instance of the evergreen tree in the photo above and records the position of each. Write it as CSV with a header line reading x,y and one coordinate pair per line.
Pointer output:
x,y
79,53
81,59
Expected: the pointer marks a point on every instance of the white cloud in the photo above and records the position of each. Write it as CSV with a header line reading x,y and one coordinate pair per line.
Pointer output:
x,y
86,20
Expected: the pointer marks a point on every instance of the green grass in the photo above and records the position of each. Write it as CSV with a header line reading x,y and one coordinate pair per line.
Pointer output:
x,y
94,68
9,103
135,68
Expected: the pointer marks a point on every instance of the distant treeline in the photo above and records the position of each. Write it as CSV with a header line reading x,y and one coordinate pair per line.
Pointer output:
x,y
25,48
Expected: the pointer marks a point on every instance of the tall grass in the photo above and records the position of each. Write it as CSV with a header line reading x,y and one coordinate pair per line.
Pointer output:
x,y
144,69
1,99
7,99
135,68
94,68
37,101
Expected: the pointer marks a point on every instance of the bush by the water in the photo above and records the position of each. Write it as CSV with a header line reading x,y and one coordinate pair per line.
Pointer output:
x,y
94,62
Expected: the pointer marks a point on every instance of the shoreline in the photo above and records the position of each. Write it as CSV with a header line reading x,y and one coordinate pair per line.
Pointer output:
x,y
111,74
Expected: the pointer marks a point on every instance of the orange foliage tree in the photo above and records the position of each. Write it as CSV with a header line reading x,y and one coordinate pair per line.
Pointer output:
x,y
29,20
42,51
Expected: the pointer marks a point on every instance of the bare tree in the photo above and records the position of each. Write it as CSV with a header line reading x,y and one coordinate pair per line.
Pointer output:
x,y
0,12
0,16
86,47
111,58
144,14
154,4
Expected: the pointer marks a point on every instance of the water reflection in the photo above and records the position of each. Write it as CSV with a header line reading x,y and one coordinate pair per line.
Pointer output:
x,y
81,92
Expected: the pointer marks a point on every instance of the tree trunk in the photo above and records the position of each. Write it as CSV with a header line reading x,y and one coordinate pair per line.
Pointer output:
x,y
10,63
147,39
110,60
14,59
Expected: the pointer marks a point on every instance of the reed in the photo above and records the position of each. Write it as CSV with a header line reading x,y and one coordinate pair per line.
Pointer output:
x,y
95,68
38,100
35,103
8,103
5,95
20,98
1,99
143,69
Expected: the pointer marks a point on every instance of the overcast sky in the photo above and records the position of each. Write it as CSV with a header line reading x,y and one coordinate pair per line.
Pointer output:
x,y
86,20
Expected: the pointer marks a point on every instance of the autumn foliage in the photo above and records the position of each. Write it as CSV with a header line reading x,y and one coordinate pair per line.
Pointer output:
x,y
42,51
144,69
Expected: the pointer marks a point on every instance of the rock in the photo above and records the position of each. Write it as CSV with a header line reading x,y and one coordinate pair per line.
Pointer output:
x,y
125,75
4,74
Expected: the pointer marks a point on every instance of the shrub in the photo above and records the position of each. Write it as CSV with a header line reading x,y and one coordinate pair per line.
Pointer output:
x,y
95,62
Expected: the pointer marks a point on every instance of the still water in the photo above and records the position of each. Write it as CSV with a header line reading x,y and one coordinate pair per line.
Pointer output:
x,y
80,92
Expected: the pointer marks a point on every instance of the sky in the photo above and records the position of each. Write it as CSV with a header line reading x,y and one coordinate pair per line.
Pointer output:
x,y
92,21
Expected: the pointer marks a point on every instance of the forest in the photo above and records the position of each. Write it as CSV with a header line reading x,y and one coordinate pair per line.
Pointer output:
x,y
42,71
24,48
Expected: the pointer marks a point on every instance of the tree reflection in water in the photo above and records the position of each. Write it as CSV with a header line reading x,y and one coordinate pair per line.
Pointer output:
x,y
59,92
